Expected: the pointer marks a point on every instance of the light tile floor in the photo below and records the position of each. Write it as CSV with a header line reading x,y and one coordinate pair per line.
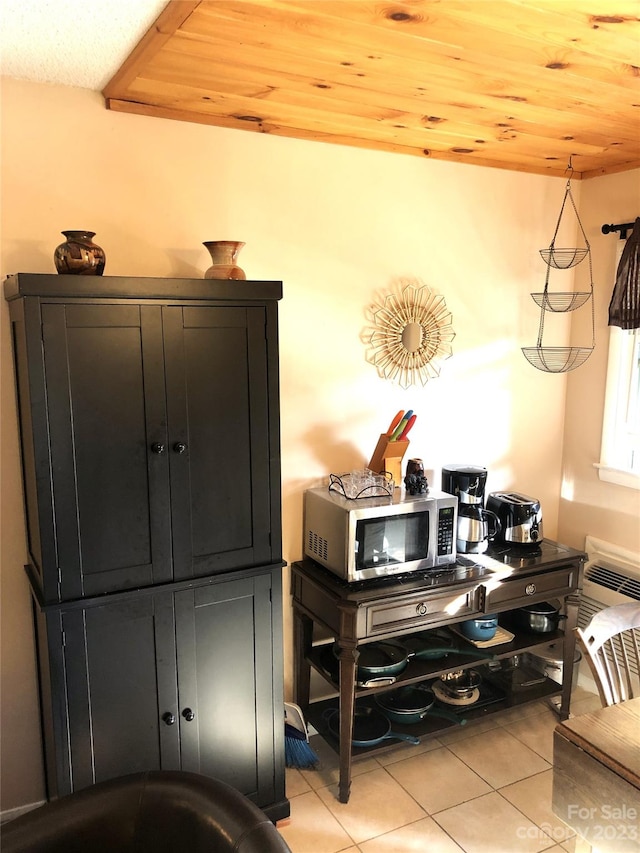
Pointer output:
x,y
485,788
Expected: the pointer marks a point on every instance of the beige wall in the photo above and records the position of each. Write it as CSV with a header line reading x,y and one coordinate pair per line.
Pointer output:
x,y
337,225
588,505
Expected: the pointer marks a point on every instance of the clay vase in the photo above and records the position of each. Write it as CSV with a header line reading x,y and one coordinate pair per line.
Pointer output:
x,y
224,254
79,255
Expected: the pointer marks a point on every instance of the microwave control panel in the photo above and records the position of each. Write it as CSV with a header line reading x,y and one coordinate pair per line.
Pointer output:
x,y
446,518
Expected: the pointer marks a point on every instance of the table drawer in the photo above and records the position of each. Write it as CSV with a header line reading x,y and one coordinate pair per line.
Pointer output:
x,y
520,591
425,609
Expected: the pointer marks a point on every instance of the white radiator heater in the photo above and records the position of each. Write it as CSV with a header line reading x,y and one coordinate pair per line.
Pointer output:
x,y
611,576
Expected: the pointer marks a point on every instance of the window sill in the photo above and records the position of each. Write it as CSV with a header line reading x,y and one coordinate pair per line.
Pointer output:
x,y
618,476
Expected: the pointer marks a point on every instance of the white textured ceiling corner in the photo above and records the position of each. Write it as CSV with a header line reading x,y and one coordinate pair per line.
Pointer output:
x,y
71,42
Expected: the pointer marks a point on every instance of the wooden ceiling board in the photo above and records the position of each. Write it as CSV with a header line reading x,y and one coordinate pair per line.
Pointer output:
x,y
348,100
509,60
273,46
191,87
489,91
366,47
406,68
527,85
556,26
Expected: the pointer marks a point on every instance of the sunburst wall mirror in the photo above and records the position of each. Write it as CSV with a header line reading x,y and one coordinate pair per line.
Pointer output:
x,y
410,332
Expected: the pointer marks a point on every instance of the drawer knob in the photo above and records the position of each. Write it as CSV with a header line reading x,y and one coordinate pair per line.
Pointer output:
x,y
421,609
529,589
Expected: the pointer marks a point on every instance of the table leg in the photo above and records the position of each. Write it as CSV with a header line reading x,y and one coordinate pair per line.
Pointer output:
x,y
348,657
572,603
302,640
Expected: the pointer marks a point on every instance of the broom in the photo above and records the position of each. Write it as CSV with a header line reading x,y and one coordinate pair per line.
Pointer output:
x,y
297,751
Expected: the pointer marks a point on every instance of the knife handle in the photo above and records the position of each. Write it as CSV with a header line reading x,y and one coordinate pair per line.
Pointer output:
x,y
405,432
398,430
401,426
394,423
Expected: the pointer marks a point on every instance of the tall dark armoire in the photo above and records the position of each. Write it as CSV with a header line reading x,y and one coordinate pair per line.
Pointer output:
x,y
149,418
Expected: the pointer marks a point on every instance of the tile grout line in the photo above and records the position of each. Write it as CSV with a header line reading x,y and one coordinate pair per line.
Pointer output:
x,y
526,817
352,842
429,814
505,726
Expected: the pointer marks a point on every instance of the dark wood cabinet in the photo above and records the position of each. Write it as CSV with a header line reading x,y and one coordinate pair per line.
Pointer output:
x,y
149,413
228,736
153,441
115,663
169,680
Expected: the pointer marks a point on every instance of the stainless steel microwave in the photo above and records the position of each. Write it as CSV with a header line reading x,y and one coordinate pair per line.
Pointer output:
x,y
371,537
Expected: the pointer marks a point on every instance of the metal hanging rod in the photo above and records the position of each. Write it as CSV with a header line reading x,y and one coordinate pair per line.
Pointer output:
x,y
623,227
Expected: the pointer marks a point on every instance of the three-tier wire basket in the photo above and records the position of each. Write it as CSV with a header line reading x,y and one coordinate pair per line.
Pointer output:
x,y
560,359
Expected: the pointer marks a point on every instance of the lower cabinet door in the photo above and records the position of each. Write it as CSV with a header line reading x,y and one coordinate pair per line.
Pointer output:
x,y
169,680
121,698
224,638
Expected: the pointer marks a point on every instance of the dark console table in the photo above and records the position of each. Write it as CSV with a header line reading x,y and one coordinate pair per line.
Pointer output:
x,y
350,615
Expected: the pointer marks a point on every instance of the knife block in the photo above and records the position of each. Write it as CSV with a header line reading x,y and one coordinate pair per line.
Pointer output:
x,y
387,457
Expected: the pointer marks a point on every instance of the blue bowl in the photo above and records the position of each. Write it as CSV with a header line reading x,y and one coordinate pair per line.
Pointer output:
x,y
482,628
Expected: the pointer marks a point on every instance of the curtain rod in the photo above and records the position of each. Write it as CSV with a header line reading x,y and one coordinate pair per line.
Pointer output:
x,y
623,227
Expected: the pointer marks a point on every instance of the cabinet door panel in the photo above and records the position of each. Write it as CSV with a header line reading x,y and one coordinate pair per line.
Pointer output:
x,y
218,407
120,679
106,406
225,674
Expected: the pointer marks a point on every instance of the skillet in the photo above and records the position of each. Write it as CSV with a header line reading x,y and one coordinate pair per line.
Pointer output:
x,y
370,727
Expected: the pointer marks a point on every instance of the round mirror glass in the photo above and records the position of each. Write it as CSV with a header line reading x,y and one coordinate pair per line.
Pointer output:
x,y
412,337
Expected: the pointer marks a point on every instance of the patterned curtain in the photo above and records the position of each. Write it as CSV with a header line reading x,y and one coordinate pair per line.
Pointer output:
x,y
624,309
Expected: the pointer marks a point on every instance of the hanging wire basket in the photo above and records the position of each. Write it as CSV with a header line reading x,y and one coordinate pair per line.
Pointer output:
x,y
561,359
563,301
557,359
563,259
560,302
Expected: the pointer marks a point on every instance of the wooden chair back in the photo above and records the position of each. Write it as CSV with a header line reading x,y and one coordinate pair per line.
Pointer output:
x,y
611,645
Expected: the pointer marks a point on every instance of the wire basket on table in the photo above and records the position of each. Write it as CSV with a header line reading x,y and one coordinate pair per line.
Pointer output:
x,y
362,484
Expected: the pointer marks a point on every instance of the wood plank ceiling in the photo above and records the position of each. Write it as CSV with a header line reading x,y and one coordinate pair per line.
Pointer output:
x,y
527,85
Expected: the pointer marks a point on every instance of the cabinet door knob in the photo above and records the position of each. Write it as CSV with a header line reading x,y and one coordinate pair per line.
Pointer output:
x,y
188,714
157,447
179,447
168,718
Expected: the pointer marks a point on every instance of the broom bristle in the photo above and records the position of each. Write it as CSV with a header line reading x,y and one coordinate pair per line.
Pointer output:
x,y
297,751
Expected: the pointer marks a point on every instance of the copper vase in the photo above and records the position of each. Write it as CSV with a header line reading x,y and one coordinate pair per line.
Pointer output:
x,y
79,255
224,254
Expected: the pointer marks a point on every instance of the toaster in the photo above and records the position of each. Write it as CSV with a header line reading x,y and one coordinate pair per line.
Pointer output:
x,y
520,517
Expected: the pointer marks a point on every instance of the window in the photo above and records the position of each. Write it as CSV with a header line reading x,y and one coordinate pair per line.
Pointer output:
x,y
620,453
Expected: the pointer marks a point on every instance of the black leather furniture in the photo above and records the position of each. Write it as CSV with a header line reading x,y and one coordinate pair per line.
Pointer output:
x,y
159,812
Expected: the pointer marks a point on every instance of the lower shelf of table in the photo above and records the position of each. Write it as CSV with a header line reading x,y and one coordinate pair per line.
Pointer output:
x,y
494,702
320,657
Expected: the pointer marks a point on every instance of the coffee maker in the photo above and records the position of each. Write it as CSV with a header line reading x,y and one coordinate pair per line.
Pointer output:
x,y
476,525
